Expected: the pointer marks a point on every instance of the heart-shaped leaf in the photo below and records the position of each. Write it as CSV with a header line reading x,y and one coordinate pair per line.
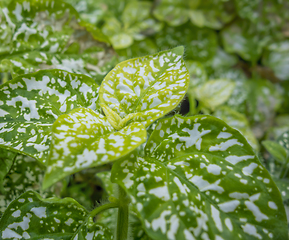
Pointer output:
x,y
146,88
31,103
83,139
31,216
200,179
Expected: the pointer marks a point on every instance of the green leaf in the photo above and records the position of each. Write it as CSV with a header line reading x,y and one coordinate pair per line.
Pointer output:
x,y
146,88
6,162
175,12
243,38
31,40
214,93
31,216
31,103
25,174
283,140
84,139
135,24
283,185
212,13
201,44
200,179
238,121
276,150
276,58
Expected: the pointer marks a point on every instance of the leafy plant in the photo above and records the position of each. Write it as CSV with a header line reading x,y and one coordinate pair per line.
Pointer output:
x,y
195,177
102,138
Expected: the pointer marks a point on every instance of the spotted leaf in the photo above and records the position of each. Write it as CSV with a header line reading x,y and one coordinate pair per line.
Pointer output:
x,y
6,162
25,174
83,139
145,89
38,35
31,103
200,179
31,216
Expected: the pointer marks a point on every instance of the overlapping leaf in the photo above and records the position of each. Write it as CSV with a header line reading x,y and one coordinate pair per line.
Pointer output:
x,y
40,35
25,174
200,179
6,162
145,89
31,216
135,24
31,103
83,139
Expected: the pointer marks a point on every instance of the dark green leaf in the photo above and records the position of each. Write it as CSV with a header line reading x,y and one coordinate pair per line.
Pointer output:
x,y
200,178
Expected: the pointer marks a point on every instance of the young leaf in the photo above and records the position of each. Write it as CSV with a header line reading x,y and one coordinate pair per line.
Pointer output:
x,y
31,103
276,150
31,216
146,88
83,139
200,179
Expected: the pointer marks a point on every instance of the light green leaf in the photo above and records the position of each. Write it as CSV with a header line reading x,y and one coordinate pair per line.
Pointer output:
x,y
84,139
200,179
198,75
238,121
31,216
276,150
146,88
214,93
32,40
31,103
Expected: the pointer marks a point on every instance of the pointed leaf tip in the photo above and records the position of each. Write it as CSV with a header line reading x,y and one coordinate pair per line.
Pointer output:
x,y
179,50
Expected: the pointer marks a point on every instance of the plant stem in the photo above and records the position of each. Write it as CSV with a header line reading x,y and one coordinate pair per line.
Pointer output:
x,y
122,218
103,207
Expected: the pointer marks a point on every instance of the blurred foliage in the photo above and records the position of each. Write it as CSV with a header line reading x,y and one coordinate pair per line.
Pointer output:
x,y
237,52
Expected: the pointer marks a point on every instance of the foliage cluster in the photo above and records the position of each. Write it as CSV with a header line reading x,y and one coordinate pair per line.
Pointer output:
x,y
102,138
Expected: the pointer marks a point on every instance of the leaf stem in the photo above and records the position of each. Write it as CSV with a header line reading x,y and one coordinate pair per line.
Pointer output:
x,y
103,207
122,218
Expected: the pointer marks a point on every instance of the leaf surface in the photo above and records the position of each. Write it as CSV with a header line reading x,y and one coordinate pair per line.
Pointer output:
x,y
31,216
31,103
84,139
200,179
146,88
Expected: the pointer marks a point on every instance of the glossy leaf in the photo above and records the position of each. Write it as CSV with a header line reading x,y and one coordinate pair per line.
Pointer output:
x,y
200,179
145,89
31,216
213,93
84,139
276,150
54,39
31,103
